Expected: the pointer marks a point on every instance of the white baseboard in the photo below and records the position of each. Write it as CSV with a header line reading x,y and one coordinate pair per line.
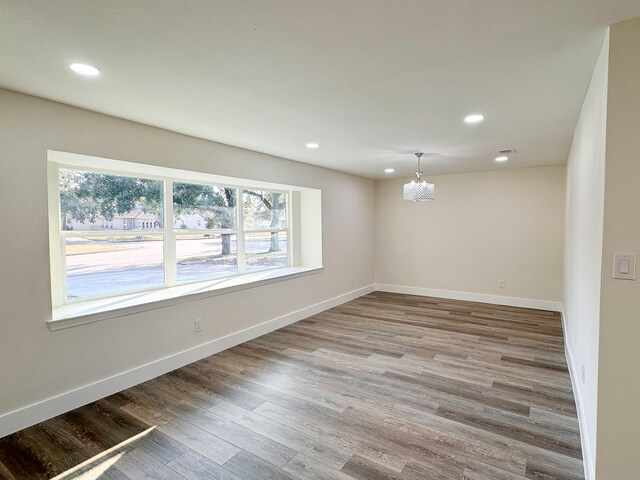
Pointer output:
x,y
37,412
587,460
473,297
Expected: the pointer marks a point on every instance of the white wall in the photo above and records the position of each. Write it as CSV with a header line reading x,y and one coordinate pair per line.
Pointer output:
x,y
583,250
618,431
38,363
482,228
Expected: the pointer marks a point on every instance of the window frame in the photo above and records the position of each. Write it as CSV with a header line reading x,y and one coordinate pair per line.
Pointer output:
x,y
172,280
169,234
286,229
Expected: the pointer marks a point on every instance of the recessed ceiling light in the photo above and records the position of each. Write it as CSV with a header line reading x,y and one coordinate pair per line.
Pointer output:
x,y
312,145
389,170
84,69
502,158
474,118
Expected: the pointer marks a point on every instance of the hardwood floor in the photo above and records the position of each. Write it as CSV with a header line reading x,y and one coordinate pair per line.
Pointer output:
x,y
387,386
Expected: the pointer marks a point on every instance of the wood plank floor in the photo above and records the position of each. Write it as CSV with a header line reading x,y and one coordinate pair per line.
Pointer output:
x,y
387,386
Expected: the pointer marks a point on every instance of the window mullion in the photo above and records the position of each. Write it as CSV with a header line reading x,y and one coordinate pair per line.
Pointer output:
x,y
240,236
169,243
289,217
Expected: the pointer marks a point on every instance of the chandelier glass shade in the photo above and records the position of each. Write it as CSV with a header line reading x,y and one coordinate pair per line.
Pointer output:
x,y
419,190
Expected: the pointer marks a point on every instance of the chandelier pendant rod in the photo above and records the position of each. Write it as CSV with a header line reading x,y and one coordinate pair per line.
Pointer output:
x,y
419,172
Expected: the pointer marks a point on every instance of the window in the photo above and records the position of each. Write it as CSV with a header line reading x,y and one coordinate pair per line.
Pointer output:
x,y
265,229
99,261
206,231
119,228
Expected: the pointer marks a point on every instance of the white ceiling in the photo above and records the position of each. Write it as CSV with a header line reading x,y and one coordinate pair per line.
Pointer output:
x,y
372,81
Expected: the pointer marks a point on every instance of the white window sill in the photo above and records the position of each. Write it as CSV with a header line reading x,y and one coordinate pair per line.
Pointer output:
x,y
96,310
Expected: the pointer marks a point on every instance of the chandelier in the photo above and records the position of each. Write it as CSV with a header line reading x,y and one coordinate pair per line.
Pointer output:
x,y
419,190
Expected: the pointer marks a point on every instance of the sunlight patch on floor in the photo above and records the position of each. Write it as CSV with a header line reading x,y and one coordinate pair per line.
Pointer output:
x,y
103,461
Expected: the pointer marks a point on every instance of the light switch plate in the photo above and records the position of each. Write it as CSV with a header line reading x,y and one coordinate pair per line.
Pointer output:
x,y
624,266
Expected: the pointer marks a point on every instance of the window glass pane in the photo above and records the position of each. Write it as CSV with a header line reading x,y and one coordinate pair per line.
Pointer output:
x,y
200,257
264,209
100,201
265,250
200,207
113,265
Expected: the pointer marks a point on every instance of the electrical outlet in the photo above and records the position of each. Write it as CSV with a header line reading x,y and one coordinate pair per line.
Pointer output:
x,y
197,325
353,281
584,375
501,283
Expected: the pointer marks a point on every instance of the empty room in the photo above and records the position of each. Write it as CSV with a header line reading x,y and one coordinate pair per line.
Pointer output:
x,y
314,240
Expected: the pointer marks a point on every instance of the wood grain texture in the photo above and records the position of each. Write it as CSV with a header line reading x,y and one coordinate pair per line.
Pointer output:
x,y
385,387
